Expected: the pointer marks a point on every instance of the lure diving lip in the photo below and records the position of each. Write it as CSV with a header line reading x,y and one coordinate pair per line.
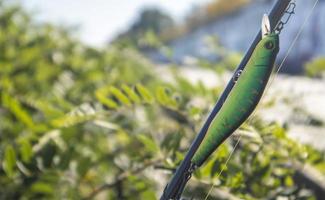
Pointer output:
x,y
266,26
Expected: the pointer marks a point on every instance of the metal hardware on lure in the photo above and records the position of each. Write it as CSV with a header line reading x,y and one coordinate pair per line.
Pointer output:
x,y
287,15
187,177
237,75
245,95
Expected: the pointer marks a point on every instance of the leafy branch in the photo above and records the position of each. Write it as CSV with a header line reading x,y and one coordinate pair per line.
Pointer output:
x,y
121,177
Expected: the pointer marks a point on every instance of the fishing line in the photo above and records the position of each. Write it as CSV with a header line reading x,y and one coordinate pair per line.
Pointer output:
x,y
223,167
268,87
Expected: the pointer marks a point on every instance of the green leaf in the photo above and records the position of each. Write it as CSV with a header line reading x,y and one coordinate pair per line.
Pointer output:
x,y
171,142
25,150
148,142
316,67
15,107
9,160
131,94
288,181
164,98
237,180
120,96
83,166
42,188
42,105
148,194
102,98
71,120
161,96
279,132
144,93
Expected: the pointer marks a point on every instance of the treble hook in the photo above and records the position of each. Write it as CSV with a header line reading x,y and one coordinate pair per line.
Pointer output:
x,y
286,17
186,178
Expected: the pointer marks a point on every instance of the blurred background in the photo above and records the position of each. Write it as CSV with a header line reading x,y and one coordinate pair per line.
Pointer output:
x,y
101,99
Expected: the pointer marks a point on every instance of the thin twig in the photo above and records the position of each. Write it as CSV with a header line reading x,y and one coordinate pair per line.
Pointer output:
x,y
121,177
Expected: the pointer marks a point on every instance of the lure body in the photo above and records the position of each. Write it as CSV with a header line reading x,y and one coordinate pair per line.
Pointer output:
x,y
243,98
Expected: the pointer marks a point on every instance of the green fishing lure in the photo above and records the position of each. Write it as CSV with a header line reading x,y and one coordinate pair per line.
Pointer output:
x,y
245,95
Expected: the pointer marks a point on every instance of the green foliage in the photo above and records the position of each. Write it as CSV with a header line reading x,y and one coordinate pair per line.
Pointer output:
x,y
9,162
144,32
17,110
78,122
316,68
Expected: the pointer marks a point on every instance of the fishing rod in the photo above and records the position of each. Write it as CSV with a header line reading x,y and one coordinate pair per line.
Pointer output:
x,y
175,187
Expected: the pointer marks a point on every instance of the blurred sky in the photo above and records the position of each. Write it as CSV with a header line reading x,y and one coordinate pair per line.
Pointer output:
x,y
101,20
